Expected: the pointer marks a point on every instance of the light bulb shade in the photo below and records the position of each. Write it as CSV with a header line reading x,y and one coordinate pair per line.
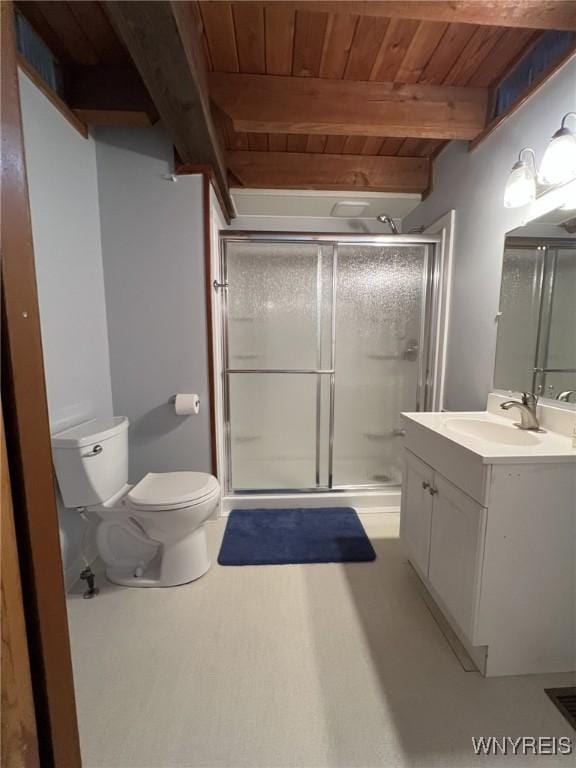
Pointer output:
x,y
520,187
559,162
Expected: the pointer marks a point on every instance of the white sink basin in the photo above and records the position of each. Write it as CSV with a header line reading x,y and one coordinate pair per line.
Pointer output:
x,y
460,437
492,432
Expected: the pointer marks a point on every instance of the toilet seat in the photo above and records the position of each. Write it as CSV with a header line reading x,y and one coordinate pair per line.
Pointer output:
x,y
172,490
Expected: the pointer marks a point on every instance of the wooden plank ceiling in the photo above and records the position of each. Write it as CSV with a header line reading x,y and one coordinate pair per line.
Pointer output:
x,y
299,41
349,95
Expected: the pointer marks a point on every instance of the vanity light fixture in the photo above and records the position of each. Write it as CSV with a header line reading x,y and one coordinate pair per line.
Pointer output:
x,y
559,162
521,185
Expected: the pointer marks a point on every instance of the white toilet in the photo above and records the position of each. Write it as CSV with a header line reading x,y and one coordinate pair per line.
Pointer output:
x,y
150,534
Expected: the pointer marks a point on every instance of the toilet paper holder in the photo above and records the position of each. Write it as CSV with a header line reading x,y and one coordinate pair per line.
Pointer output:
x,y
174,399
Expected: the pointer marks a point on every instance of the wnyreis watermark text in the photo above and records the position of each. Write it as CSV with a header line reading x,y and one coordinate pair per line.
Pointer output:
x,y
522,745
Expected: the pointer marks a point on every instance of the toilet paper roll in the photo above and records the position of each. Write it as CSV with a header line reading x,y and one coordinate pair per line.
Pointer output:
x,y
185,405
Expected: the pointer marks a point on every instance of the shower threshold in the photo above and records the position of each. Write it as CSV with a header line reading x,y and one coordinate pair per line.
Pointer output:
x,y
381,500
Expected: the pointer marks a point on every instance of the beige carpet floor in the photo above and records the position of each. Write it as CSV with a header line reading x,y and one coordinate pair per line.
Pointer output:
x,y
314,665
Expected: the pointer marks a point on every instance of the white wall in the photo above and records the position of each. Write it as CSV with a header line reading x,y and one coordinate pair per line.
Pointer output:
x,y
473,184
153,250
62,182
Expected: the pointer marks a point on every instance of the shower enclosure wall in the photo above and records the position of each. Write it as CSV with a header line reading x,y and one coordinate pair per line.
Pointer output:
x,y
325,341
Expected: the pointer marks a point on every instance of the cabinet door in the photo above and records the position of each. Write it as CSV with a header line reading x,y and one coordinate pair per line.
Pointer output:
x,y
456,549
416,511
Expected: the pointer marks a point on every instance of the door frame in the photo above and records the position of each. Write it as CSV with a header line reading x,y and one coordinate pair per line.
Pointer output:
x,y
445,229
430,332
28,444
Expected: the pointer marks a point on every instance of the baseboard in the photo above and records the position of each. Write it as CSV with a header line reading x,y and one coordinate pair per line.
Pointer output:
x,y
362,501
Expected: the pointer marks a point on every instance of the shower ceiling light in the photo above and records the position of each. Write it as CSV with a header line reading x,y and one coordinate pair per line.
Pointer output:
x,y
559,162
521,185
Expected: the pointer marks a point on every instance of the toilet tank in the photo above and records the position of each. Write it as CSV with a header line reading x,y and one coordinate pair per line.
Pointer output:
x,y
91,460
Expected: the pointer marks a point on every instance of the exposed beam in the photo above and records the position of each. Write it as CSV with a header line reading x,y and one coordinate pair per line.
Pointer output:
x,y
275,104
530,14
166,46
294,170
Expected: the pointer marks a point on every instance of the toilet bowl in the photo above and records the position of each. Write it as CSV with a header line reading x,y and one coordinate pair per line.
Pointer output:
x,y
150,534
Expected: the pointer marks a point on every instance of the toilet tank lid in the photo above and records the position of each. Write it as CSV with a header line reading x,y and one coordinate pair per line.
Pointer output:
x,y
90,432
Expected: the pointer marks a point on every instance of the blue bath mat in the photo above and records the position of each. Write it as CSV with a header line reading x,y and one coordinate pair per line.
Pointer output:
x,y
281,536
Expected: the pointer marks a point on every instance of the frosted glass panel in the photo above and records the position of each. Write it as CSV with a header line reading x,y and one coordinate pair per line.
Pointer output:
x,y
562,334
379,305
279,305
518,323
273,430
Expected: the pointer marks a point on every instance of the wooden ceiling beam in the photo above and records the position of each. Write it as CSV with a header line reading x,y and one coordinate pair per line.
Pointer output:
x,y
165,44
277,104
530,14
295,170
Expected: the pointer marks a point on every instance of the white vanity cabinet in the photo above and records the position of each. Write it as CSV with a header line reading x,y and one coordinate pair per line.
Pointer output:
x,y
416,516
443,533
456,551
494,542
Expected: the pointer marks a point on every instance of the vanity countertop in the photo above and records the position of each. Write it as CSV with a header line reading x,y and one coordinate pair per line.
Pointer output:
x,y
495,438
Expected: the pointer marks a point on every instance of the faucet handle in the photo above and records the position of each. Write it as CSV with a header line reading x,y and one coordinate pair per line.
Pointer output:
x,y
529,398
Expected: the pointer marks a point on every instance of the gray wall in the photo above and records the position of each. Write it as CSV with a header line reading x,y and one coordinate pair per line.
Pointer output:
x,y
153,251
62,182
473,184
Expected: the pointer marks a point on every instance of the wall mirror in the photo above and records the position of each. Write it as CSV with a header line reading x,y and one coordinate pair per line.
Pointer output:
x,y
536,343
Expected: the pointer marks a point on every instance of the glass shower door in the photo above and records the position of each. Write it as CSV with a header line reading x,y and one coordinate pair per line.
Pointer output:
x,y
278,318
326,343
556,356
380,366
520,298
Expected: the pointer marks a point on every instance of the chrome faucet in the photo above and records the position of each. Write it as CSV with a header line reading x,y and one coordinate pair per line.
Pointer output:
x,y
565,396
527,408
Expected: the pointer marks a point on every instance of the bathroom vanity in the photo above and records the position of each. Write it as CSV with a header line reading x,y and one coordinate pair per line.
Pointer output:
x,y
488,520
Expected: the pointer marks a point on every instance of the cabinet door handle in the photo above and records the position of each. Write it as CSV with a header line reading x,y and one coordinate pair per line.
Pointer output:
x,y
433,491
425,484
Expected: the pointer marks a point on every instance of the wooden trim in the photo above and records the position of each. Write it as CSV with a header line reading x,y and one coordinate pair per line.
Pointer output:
x,y
529,14
295,170
523,98
206,184
310,105
182,169
28,440
74,120
19,739
125,117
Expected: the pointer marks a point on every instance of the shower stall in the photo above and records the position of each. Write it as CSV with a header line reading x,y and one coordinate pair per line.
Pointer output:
x,y
325,340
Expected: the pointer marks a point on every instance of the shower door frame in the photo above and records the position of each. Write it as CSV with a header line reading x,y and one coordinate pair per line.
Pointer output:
x,y
429,331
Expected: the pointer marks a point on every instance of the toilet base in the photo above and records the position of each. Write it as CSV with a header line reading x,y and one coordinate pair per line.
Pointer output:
x,y
176,563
